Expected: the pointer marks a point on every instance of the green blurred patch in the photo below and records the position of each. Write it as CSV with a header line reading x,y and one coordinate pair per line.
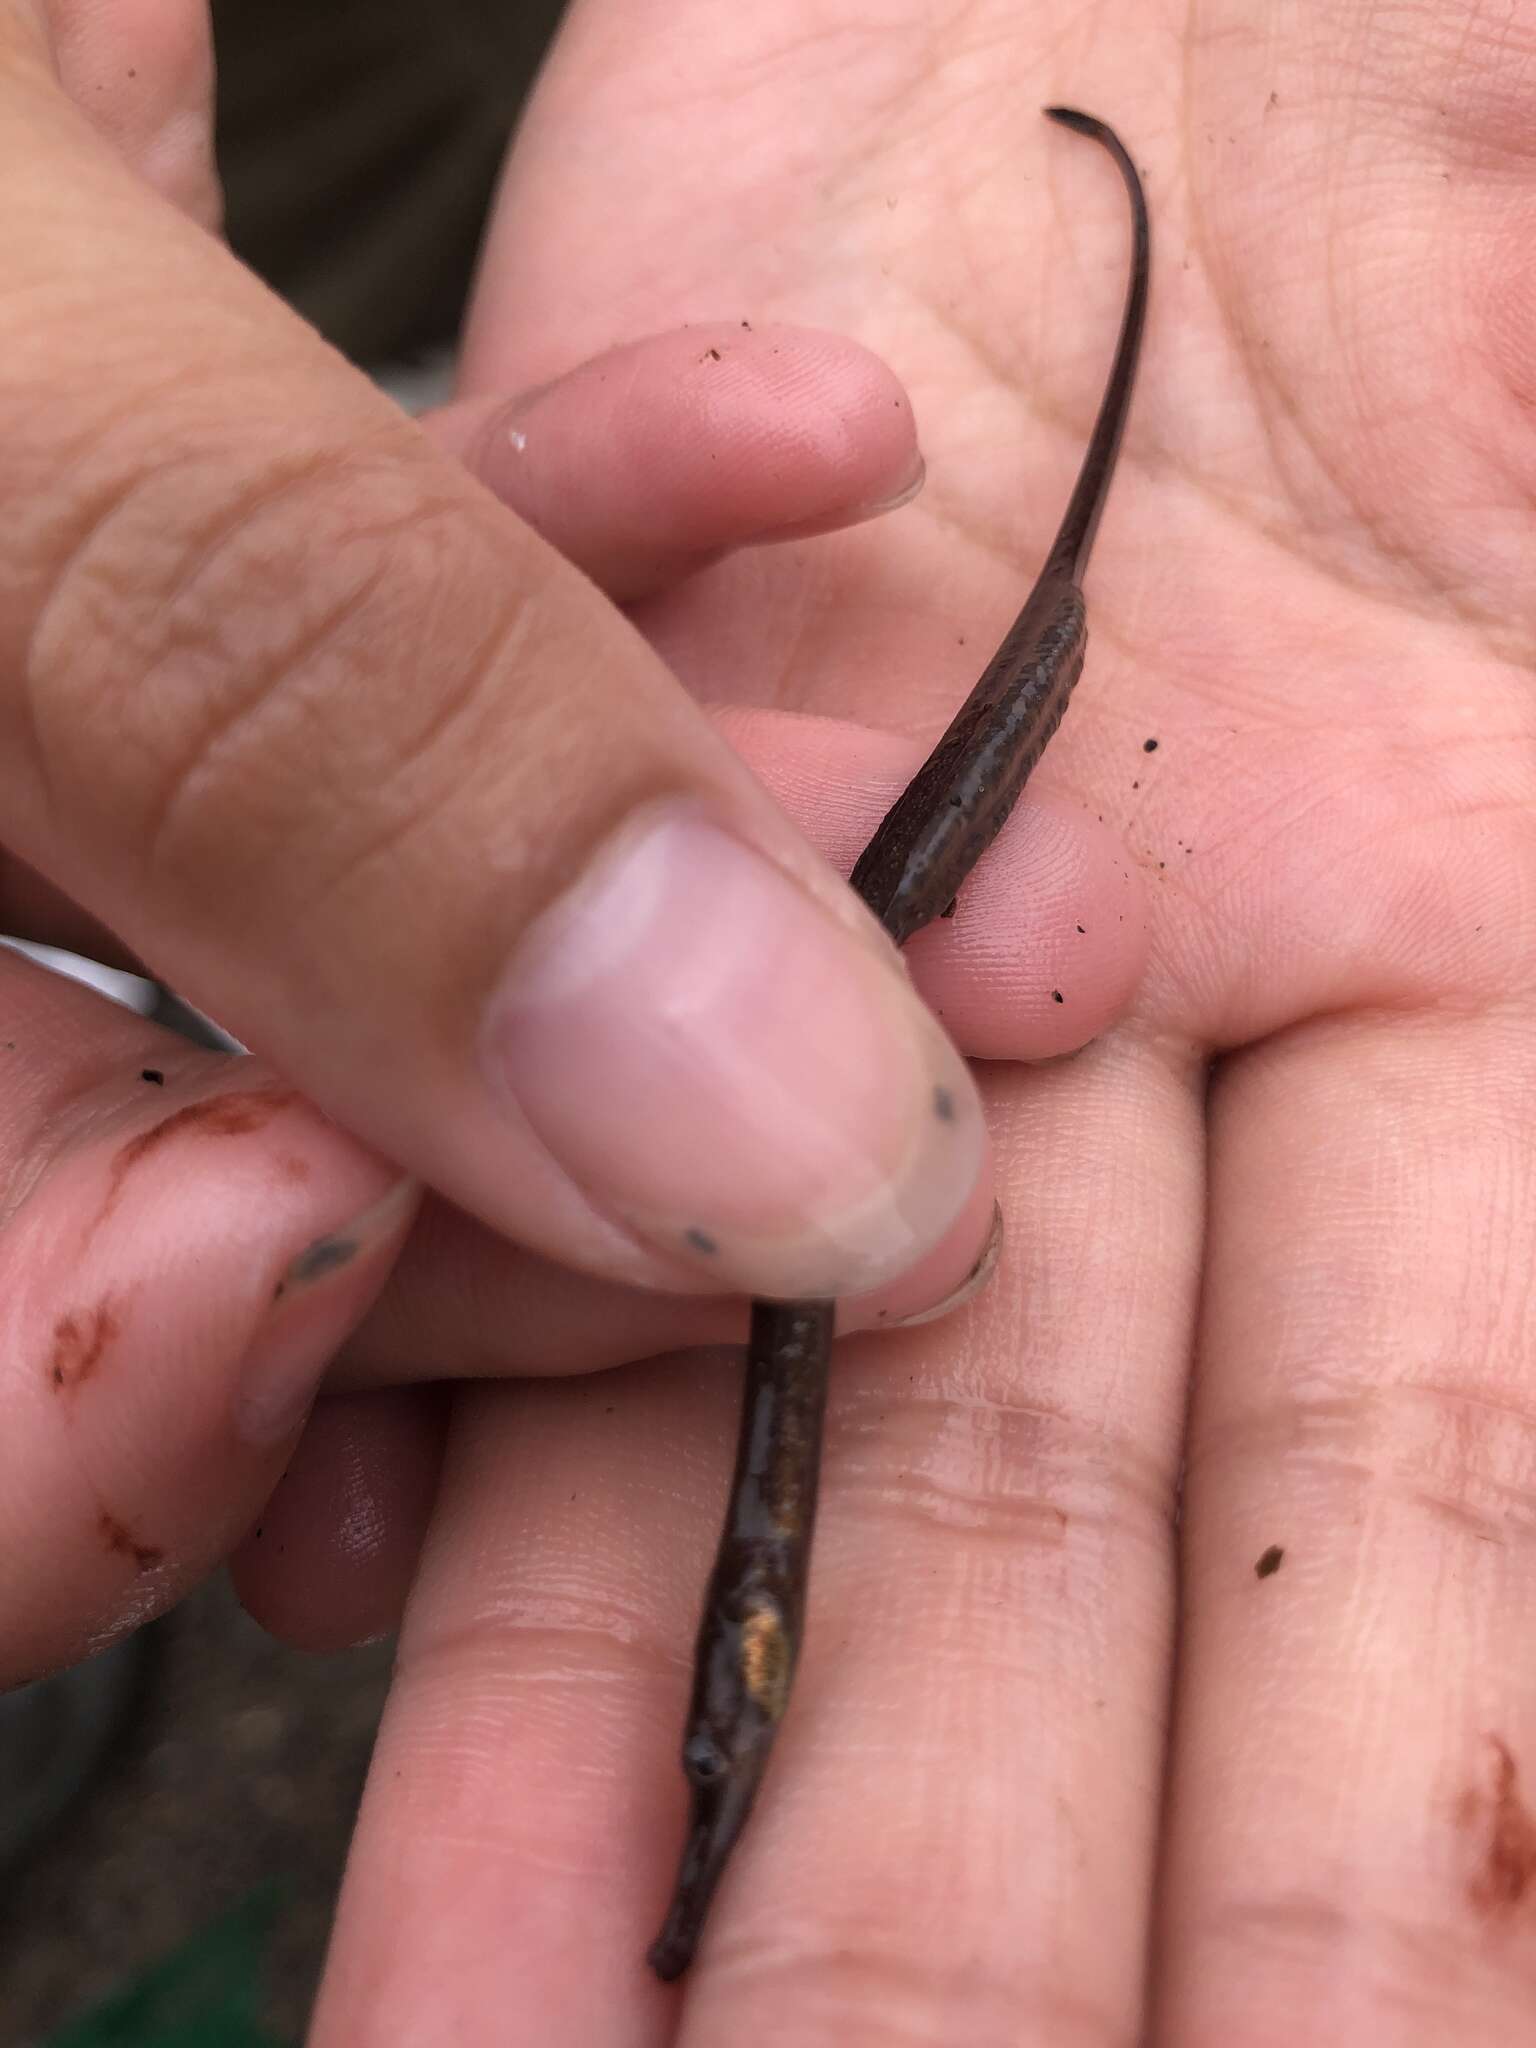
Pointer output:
x,y
207,1994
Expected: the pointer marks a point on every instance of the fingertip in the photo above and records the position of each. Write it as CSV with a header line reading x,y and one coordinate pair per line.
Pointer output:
x,y
647,463
954,1273
142,73
330,1561
1049,942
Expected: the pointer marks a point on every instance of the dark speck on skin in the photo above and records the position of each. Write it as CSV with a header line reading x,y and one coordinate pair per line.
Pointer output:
x,y
324,1256
154,1076
1057,996
943,1105
1082,928
1269,1563
700,1241
1149,746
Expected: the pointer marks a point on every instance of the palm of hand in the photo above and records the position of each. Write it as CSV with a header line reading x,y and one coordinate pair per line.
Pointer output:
x,y
1306,591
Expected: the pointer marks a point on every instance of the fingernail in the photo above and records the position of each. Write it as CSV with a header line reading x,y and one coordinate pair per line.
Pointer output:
x,y
311,1308
916,478
721,1060
833,522
970,1286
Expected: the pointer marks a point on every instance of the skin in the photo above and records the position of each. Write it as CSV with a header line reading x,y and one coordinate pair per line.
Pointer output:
x,y
910,873
985,1828
186,1240
1019,1740
183,754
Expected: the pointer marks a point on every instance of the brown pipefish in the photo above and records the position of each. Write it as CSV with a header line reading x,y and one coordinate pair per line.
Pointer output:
x,y
910,873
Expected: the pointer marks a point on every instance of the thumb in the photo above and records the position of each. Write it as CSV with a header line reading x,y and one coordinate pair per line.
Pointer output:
x,y
360,764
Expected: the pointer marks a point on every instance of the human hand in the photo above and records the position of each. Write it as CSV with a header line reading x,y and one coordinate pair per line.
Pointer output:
x,y
241,597
1302,1165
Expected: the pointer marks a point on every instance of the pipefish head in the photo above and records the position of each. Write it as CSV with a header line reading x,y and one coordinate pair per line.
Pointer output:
x,y
739,1697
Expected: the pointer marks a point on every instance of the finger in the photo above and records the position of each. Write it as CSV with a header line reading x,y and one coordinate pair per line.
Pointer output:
x,y
1048,942
963,1845
955,1837
184,1243
141,71
804,432
810,432
304,1574
463,1304
472,1728
527,925
647,463
1350,1851
331,1559
369,1463
1054,912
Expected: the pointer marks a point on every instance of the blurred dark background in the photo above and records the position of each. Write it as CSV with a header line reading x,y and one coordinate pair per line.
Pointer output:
x,y
168,1784
360,142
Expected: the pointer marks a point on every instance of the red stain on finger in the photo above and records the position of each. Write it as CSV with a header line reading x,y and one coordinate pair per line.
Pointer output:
x,y
1500,1815
122,1542
221,1116
234,1115
80,1341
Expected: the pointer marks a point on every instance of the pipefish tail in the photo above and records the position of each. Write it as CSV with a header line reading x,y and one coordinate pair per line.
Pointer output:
x,y
910,873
